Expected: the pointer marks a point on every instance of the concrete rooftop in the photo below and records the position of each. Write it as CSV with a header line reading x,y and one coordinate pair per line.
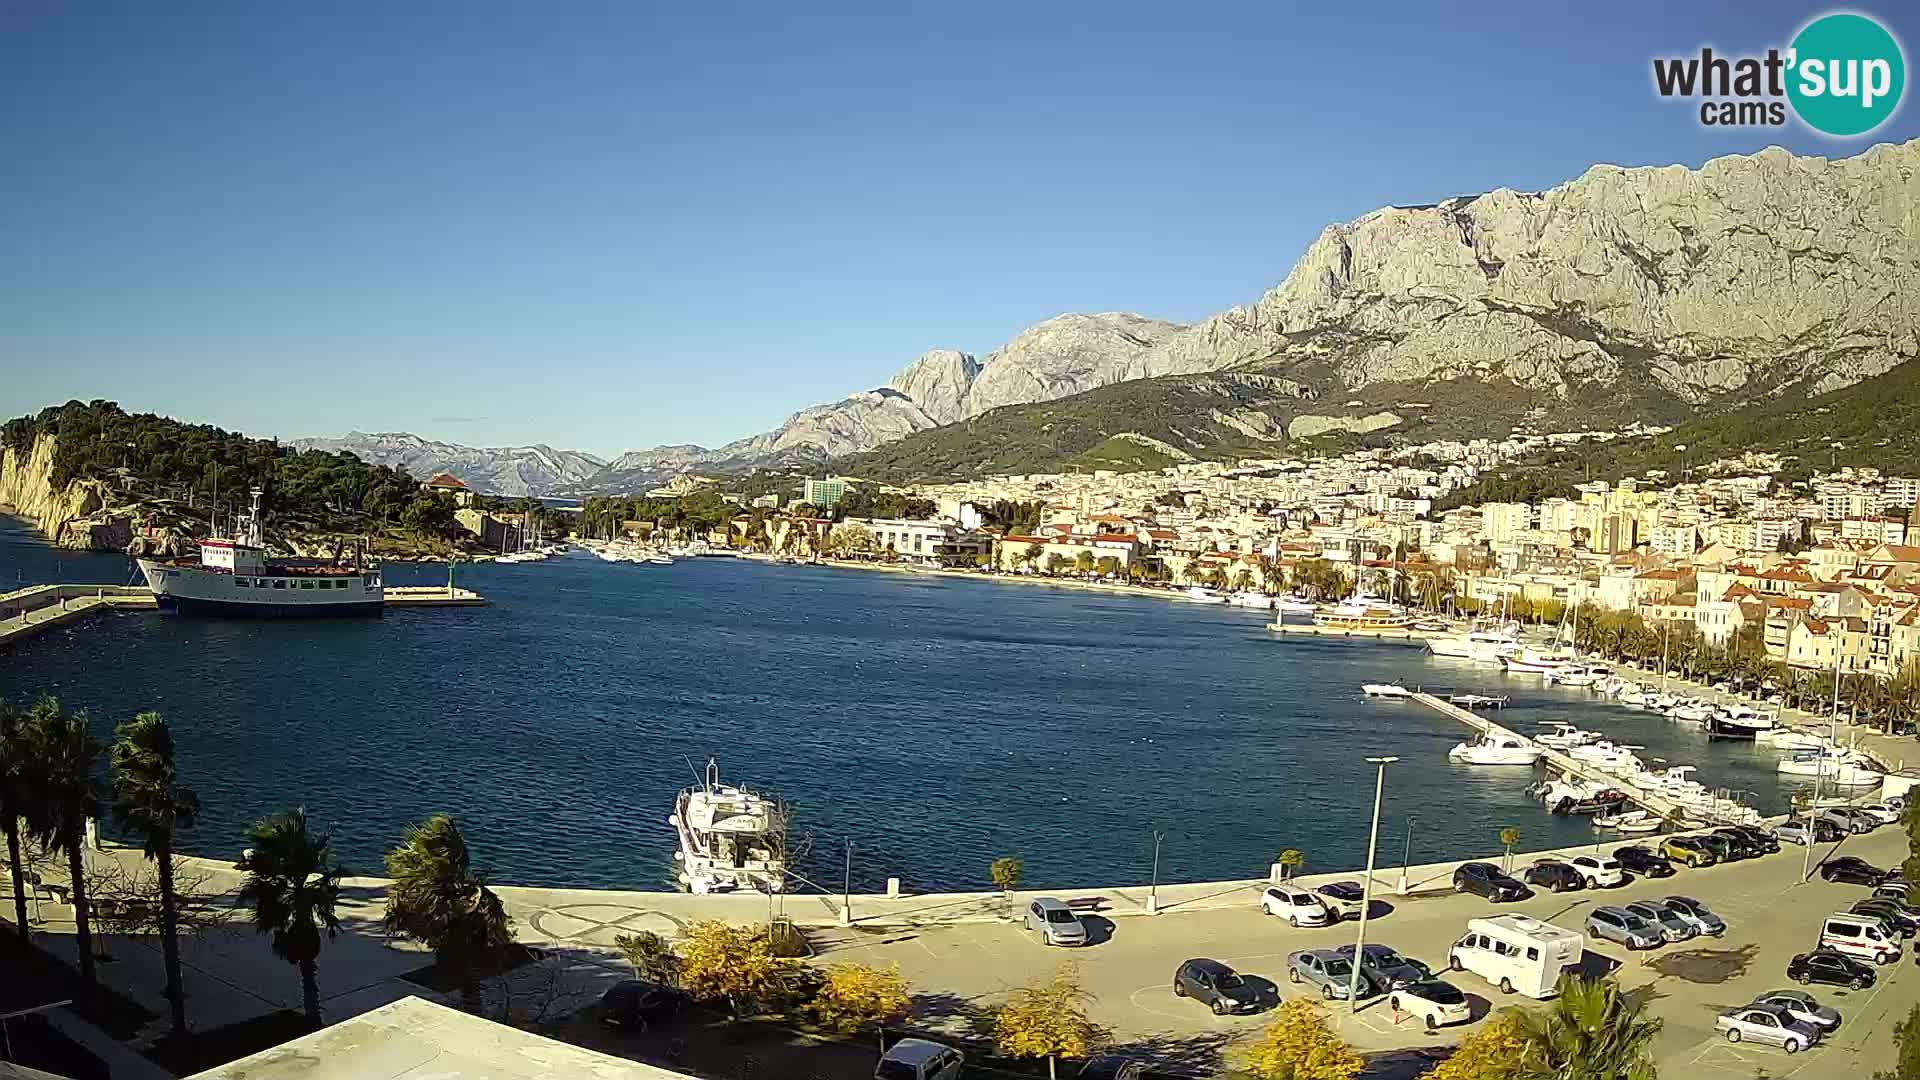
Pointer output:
x,y
418,1040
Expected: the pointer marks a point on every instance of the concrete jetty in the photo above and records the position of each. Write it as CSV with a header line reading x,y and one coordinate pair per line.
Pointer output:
x,y
25,613
1652,801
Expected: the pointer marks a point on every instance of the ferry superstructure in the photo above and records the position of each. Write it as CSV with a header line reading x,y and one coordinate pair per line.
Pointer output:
x,y
234,576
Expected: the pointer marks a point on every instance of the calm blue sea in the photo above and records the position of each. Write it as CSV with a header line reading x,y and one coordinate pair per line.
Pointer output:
x,y
935,723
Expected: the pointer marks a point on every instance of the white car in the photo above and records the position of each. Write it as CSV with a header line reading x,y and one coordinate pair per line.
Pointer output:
x,y
1767,1024
1438,1003
919,1059
1887,815
1297,906
1599,870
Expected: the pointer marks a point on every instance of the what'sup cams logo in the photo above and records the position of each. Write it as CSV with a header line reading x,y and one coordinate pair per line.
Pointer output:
x,y
1842,76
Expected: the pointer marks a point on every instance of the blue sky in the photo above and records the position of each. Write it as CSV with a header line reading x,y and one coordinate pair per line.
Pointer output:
x,y
614,225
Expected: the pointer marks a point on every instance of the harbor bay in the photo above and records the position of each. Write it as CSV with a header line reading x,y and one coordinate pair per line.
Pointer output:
x,y
935,722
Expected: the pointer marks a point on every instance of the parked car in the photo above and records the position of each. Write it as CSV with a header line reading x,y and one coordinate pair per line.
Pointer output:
x,y
1617,924
919,1059
1852,870
1896,892
1671,926
1437,1002
1643,861
1111,1067
1329,971
1695,914
1297,906
1345,899
1554,875
1894,915
637,1004
1216,986
1724,850
1688,850
1795,832
1766,1024
1743,845
1599,870
1488,880
1055,922
1885,812
1803,1007
1387,968
1845,820
1830,967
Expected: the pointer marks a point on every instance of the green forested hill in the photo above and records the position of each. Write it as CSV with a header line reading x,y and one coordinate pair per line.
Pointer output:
x,y
1872,423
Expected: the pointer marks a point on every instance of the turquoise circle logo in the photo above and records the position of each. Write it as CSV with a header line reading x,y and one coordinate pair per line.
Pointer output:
x,y
1847,74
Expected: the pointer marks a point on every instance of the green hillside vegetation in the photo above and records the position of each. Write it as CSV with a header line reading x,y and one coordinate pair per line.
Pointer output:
x,y
1122,454
1872,423
166,459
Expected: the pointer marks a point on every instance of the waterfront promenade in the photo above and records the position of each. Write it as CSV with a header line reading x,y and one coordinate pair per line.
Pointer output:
x,y
28,612
963,956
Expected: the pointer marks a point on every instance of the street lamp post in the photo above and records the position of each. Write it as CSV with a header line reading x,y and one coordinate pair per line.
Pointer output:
x,y
1406,856
1366,893
846,890
1153,889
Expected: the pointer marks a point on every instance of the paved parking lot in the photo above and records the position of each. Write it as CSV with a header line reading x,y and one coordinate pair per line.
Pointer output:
x,y
1770,916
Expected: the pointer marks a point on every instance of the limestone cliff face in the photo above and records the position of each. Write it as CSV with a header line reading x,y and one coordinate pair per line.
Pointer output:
x,y
1748,276
69,516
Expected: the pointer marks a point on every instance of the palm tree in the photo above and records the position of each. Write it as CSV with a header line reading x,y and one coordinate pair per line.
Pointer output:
x,y
60,800
1591,1032
148,799
13,758
439,900
292,886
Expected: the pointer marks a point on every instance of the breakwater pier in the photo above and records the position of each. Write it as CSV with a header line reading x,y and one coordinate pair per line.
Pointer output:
x,y
28,612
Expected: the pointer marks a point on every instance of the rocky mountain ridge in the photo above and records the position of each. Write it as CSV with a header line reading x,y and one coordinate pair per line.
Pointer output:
x,y
1625,293
503,470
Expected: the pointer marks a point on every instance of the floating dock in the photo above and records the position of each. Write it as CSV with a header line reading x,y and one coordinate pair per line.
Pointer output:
x,y
431,596
1658,804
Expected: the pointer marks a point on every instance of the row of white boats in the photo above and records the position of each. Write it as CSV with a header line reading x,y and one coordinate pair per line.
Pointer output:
x,y
632,551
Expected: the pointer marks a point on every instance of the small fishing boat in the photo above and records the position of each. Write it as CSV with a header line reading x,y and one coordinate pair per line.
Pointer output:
x,y
1496,749
1478,701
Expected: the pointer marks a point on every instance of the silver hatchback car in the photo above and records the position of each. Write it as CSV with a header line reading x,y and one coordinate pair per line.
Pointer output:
x,y
1619,924
1055,922
1766,1024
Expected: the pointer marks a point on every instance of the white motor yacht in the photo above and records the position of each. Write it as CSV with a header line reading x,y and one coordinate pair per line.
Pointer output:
x,y
1564,736
1576,675
1784,738
1844,768
1200,594
730,837
1385,690
1254,600
1496,749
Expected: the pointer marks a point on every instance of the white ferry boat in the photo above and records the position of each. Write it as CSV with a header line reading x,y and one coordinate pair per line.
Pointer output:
x,y
730,838
235,577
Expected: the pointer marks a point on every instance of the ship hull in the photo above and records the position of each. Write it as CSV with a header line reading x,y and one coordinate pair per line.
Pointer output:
x,y
229,609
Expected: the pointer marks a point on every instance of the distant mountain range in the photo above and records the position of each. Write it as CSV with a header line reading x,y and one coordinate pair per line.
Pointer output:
x,y
1647,293
502,470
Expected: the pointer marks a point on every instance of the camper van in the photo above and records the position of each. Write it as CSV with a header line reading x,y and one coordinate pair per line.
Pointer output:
x,y
1518,953
1862,936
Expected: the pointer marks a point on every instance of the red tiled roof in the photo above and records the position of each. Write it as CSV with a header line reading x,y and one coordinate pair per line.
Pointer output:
x,y
446,480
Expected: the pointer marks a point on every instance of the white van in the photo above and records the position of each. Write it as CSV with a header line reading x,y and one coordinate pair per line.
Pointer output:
x,y
1861,935
1518,953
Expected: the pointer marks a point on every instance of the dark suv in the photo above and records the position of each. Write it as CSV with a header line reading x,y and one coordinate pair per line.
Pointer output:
x,y
1723,849
1557,876
1486,879
1642,860
1764,838
1742,845
1216,986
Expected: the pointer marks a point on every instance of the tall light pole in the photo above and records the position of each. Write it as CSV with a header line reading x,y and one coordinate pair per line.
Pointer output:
x,y
1406,856
1153,889
1366,893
